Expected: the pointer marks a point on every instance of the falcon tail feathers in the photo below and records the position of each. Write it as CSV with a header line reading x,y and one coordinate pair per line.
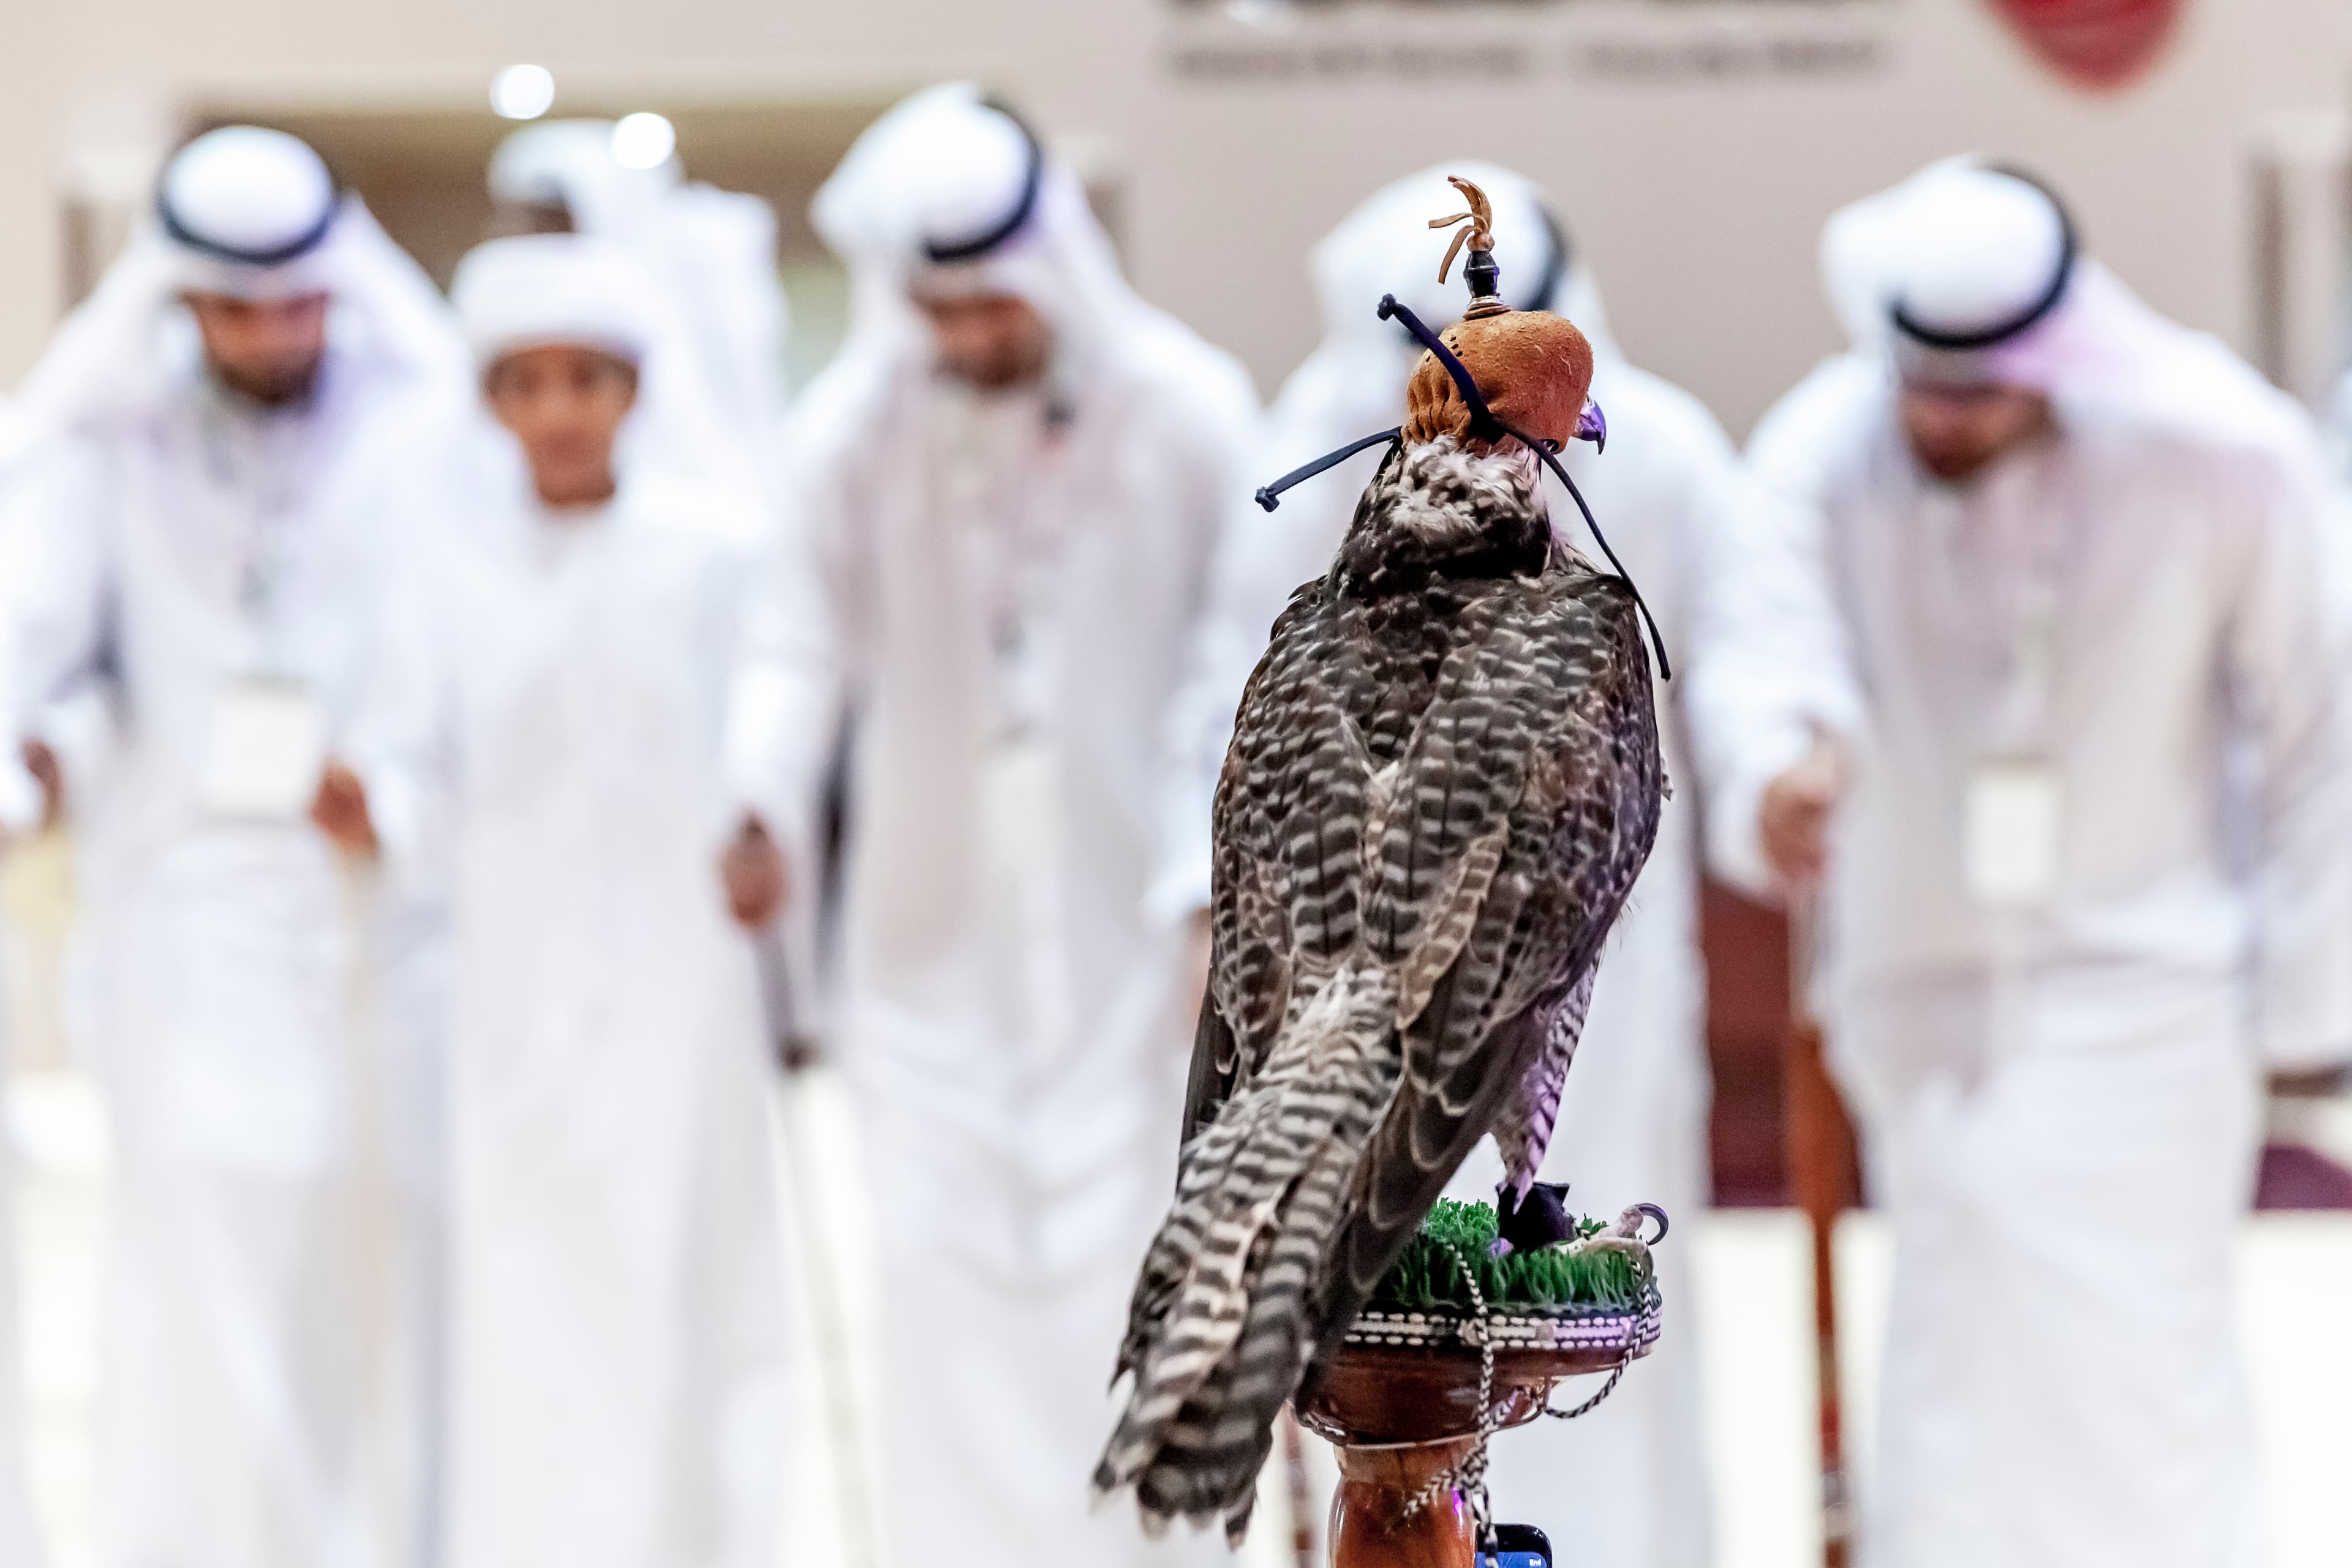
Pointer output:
x,y
1223,1322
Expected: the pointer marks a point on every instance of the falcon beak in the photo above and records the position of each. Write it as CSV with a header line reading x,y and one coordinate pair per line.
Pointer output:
x,y
1591,427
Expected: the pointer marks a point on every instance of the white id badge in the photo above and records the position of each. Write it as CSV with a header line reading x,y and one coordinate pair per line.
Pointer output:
x,y
2009,832
1019,805
265,752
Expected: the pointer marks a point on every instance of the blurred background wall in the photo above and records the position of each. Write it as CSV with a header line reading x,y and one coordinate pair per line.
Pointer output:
x,y
1693,145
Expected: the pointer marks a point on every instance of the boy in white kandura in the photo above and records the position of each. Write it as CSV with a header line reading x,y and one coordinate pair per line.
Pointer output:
x,y
548,709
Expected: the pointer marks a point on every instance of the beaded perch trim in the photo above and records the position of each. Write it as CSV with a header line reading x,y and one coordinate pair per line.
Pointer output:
x,y
1576,1330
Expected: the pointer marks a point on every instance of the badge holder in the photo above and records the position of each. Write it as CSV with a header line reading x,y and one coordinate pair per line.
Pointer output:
x,y
265,751
1020,817
2010,831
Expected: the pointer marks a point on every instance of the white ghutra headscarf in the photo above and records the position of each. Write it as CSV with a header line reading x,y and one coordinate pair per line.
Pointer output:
x,y
1965,253
255,215
950,193
540,290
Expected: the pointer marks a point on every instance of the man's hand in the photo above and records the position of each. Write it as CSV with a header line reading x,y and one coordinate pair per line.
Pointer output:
x,y
42,763
1793,818
341,810
753,869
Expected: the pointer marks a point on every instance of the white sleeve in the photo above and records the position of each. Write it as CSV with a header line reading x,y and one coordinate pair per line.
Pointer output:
x,y
402,741
1714,500
1777,666
799,637
53,621
1238,599
2288,651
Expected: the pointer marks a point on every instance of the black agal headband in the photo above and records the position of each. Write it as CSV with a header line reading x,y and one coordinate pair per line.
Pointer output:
x,y
1978,338
1033,179
177,228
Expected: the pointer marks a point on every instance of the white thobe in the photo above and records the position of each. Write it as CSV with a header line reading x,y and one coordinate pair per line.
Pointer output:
x,y
180,552
552,697
1002,595
408,997
1628,1484
2060,1096
19,1540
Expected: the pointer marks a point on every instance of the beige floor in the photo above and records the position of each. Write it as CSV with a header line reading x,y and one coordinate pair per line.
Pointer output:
x,y
2298,1284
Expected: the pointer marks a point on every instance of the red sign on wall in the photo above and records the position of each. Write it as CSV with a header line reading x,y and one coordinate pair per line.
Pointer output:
x,y
2094,43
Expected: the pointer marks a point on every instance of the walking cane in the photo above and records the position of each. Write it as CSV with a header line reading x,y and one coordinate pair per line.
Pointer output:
x,y
1818,1145
796,1052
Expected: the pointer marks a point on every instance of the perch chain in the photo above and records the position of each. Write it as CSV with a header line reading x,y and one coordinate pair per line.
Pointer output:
x,y
1616,1373
1469,1476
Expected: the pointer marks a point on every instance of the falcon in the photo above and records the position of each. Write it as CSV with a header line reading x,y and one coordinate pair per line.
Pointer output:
x,y
1443,780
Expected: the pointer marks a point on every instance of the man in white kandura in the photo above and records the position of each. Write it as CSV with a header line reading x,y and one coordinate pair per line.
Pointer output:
x,y
1007,492
1628,1485
2038,672
712,253
549,704
203,540
20,813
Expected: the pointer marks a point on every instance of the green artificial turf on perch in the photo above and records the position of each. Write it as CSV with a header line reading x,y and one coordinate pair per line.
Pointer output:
x,y
1426,1279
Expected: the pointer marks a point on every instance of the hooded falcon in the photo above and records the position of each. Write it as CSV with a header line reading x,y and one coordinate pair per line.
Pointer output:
x,y
1443,782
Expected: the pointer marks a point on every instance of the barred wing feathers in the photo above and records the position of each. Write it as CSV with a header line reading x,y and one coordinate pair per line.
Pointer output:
x,y
1434,807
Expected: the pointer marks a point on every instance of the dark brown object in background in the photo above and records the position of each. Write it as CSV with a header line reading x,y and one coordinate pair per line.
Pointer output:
x,y
1747,948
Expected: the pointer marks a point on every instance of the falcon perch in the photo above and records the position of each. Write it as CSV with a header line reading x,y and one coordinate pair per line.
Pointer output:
x,y
1443,780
